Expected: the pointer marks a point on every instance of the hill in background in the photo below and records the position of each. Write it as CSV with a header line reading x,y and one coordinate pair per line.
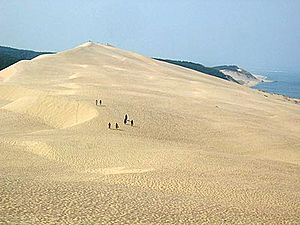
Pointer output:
x,y
200,68
9,56
241,75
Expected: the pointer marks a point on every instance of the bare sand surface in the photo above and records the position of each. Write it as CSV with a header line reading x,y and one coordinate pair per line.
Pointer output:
x,y
202,150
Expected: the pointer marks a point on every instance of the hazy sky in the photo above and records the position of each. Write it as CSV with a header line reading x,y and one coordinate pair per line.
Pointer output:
x,y
255,34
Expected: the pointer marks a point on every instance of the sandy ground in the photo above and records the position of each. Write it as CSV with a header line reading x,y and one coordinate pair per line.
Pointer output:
x,y
202,150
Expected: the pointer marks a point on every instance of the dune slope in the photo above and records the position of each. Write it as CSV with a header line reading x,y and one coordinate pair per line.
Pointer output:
x,y
202,150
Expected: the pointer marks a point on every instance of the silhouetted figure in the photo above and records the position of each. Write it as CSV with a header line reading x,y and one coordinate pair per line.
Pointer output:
x,y
131,123
100,102
117,126
109,125
125,119
96,102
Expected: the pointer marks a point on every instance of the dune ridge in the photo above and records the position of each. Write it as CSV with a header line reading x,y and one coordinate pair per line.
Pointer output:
x,y
53,111
57,112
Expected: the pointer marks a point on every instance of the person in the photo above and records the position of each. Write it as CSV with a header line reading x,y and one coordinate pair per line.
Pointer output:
x,y
109,125
131,122
96,102
100,102
117,126
125,119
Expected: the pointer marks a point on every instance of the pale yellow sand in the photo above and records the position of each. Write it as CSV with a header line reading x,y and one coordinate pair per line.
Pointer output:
x,y
202,151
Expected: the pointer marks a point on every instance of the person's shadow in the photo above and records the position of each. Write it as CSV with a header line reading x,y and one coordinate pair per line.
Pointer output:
x,y
134,126
119,129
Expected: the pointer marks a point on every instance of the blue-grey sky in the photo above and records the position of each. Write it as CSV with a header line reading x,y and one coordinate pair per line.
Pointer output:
x,y
255,34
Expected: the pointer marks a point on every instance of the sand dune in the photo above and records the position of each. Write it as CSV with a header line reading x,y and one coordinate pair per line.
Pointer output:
x,y
56,112
202,150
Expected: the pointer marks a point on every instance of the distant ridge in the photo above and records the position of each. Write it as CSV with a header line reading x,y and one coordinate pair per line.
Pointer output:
x,y
241,75
9,56
235,69
200,68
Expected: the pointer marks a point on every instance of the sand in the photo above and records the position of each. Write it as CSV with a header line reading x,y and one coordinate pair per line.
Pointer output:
x,y
202,150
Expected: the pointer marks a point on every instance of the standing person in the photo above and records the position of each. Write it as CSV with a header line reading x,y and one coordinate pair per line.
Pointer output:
x,y
100,102
125,119
109,125
117,126
131,123
96,102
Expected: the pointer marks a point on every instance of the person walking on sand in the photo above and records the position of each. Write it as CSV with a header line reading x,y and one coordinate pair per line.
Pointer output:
x,y
131,123
125,119
96,102
117,126
109,125
100,102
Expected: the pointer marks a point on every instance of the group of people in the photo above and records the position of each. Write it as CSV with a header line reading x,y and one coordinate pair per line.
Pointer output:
x,y
109,125
125,122
100,102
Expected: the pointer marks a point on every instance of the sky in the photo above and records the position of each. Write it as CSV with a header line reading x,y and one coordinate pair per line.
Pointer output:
x,y
254,34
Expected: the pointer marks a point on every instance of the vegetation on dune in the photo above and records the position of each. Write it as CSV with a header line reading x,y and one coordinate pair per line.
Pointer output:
x,y
227,67
200,68
9,56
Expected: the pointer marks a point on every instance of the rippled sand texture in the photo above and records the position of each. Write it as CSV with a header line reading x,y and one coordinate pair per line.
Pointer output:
x,y
202,151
